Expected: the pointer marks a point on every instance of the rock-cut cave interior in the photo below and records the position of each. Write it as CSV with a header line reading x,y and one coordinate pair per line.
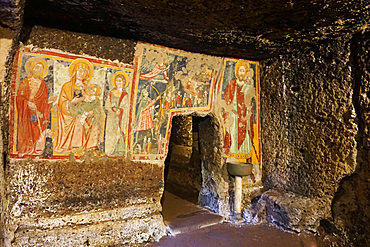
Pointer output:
x,y
184,123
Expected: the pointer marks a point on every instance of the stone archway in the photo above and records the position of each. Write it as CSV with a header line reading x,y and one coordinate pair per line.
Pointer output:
x,y
182,173
193,182
193,167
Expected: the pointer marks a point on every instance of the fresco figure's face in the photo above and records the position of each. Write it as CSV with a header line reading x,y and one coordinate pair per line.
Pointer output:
x,y
119,82
81,72
146,93
93,91
242,73
37,70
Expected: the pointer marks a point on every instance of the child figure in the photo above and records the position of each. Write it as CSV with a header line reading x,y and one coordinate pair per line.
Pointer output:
x,y
90,106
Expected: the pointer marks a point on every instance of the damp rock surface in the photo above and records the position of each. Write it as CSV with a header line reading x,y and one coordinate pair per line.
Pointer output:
x,y
351,203
309,137
250,29
11,13
83,44
315,138
109,204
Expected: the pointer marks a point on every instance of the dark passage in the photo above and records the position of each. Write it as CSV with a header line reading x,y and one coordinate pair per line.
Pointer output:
x,y
182,172
183,179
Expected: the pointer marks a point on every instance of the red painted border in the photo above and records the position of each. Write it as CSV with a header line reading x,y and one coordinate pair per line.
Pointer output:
x,y
57,55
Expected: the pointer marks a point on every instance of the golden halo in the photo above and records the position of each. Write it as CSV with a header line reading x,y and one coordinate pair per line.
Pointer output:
x,y
239,64
82,61
120,73
31,63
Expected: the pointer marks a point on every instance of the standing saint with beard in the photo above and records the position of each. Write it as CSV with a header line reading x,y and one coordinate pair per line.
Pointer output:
x,y
238,95
33,109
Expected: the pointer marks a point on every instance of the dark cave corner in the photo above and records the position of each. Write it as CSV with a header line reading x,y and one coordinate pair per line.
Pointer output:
x,y
351,201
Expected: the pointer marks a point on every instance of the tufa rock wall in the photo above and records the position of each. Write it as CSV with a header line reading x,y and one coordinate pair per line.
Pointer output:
x,y
11,20
96,201
351,204
83,44
309,136
215,179
6,40
315,141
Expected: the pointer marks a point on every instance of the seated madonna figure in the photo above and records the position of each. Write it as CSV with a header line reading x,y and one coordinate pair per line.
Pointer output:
x,y
79,128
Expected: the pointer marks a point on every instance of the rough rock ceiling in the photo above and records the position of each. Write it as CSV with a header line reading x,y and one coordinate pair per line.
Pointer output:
x,y
238,28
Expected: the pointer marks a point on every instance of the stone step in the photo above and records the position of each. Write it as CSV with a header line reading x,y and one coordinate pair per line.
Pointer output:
x,y
182,216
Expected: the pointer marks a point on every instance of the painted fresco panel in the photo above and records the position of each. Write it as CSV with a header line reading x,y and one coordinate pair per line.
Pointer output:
x,y
239,90
168,82
64,104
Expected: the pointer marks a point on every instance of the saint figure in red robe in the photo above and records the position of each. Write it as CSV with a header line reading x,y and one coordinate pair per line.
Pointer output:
x,y
238,96
33,109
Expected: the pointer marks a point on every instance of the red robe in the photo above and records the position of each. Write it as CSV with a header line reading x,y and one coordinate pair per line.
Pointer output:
x,y
145,121
120,116
29,123
230,91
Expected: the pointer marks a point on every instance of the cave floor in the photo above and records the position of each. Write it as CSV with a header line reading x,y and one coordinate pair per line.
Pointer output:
x,y
229,235
193,226
181,216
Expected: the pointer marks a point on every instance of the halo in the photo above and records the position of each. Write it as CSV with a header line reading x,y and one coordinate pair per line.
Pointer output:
x,y
83,61
239,64
120,73
31,63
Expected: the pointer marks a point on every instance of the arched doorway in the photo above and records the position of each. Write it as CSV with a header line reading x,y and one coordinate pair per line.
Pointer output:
x,y
182,173
187,193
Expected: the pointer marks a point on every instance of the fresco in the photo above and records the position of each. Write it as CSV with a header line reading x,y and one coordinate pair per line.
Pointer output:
x,y
168,82
239,90
66,104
